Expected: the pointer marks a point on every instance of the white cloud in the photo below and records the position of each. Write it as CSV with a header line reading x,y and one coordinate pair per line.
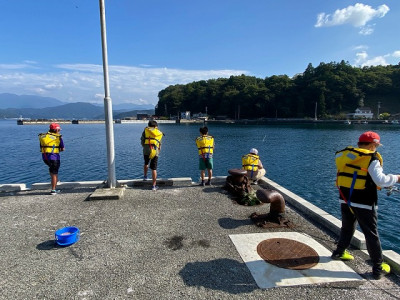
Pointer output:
x,y
363,59
30,62
38,91
358,16
13,66
85,82
53,86
366,30
360,47
81,67
376,61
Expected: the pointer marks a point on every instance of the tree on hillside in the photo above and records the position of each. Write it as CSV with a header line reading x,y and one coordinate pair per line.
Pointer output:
x,y
335,88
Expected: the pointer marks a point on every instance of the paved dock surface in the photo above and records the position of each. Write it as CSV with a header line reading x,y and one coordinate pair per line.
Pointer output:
x,y
170,244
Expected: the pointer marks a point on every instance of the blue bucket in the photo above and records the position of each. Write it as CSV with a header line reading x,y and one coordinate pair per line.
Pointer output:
x,y
67,236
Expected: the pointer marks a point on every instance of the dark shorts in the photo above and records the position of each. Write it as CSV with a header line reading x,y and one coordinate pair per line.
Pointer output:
x,y
153,162
54,165
206,163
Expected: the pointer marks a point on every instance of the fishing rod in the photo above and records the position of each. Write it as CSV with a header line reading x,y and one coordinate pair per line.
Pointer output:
x,y
91,135
83,137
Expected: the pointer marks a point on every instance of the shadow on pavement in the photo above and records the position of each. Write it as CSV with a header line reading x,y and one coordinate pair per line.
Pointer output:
x,y
229,223
220,274
48,245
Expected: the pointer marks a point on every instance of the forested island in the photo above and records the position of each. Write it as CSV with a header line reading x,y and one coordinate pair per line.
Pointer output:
x,y
328,91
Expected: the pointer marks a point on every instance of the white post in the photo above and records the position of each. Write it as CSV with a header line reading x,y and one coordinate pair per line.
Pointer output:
x,y
112,182
379,106
315,112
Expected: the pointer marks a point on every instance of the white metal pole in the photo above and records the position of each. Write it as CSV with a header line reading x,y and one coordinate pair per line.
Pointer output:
x,y
379,106
112,182
315,112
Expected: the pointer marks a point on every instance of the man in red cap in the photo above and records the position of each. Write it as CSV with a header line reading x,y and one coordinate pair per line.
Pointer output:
x,y
359,173
51,144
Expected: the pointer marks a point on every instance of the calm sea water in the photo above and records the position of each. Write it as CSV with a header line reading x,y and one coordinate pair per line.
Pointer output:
x,y
298,157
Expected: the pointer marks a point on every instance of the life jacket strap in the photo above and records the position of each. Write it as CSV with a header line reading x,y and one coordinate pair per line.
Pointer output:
x,y
357,167
342,195
351,175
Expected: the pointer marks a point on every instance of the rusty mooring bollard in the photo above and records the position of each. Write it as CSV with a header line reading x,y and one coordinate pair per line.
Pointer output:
x,y
237,175
275,198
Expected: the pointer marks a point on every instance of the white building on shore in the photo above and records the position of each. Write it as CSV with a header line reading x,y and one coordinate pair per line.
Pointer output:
x,y
361,113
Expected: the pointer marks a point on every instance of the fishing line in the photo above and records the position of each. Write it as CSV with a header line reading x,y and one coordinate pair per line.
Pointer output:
x,y
86,136
83,137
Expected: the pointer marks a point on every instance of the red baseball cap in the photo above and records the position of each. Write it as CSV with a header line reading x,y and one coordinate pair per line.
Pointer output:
x,y
370,137
55,126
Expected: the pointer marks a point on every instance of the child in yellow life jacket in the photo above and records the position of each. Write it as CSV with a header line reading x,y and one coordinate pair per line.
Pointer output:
x,y
205,146
252,163
151,143
51,144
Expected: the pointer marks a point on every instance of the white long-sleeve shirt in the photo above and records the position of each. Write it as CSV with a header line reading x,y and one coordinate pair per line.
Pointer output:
x,y
375,170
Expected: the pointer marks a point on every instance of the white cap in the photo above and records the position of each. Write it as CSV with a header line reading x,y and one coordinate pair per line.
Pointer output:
x,y
254,151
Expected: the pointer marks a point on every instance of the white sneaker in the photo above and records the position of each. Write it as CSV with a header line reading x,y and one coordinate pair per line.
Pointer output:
x,y
155,188
54,192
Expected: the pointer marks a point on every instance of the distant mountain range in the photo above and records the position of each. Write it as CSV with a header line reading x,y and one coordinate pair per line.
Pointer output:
x,y
37,107
27,101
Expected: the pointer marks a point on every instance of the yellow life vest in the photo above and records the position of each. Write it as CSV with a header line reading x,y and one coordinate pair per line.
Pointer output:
x,y
50,142
250,162
205,145
353,163
153,138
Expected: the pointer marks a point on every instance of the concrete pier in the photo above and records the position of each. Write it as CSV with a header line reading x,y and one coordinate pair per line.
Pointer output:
x,y
183,241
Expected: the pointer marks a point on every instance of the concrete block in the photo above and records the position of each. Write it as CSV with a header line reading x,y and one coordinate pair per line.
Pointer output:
x,y
13,187
393,259
182,181
160,182
107,194
219,179
66,185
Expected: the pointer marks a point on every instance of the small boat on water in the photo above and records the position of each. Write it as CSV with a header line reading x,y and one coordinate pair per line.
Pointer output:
x,y
394,122
347,122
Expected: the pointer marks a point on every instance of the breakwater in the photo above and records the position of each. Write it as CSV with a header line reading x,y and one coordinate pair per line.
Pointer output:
x,y
45,122
263,121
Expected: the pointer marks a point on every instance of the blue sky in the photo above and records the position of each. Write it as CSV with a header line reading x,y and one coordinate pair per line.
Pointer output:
x,y
53,47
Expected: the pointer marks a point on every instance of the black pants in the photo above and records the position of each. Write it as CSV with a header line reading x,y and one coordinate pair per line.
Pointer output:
x,y
54,165
368,221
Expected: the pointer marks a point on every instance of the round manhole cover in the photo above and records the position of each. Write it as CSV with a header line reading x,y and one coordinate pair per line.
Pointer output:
x,y
288,254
